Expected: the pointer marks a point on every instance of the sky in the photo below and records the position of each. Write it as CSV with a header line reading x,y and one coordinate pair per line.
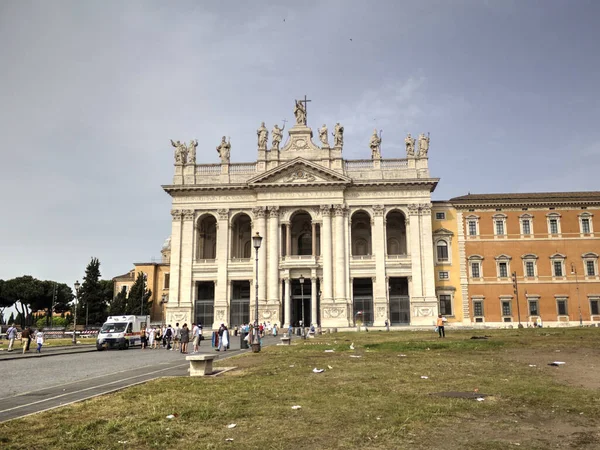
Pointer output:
x,y
92,92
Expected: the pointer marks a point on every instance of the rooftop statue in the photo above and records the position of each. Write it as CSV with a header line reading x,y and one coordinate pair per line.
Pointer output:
x,y
224,150
338,135
410,145
375,145
180,152
423,145
277,134
300,112
192,151
263,137
323,136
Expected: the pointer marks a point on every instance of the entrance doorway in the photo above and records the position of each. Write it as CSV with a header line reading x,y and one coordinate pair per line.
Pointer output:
x,y
299,293
362,301
399,301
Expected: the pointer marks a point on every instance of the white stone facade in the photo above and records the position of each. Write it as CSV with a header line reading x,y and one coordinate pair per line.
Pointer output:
x,y
358,232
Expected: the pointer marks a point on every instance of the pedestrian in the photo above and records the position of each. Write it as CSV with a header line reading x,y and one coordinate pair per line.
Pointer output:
x,y
220,340
185,338
39,339
200,337
168,336
176,337
151,336
224,341
158,338
195,338
274,330
26,335
440,326
387,325
143,338
290,330
11,335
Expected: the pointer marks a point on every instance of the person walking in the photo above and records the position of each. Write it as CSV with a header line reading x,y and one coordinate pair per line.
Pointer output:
x,y
158,338
274,330
151,336
224,341
185,338
195,338
169,336
39,339
11,335
440,326
26,335
177,337
143,339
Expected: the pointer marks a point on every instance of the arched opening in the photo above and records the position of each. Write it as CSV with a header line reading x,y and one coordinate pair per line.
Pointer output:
x,y
395,228
206,230
241,237
361,234
442,251
301,234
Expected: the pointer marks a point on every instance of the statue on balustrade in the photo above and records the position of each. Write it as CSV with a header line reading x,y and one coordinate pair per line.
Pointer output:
x,y
375,145
300,113
277,134
410,145
423,145
263,136
191,159
224,150
323,136
338,135
180,152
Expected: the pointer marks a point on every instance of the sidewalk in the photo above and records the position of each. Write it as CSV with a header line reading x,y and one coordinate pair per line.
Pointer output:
x,y
17,352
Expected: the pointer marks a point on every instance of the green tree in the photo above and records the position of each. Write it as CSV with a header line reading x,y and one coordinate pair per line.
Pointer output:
x,y
5,302
134,300
24,291
118,305
94,295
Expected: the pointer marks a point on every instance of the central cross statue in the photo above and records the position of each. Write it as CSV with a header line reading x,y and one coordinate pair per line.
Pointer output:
x,y
300,111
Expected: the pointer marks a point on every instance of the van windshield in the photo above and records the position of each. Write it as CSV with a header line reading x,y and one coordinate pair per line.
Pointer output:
x,y
113,327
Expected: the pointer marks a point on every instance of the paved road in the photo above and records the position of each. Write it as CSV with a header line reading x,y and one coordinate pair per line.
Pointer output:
x,y
32,385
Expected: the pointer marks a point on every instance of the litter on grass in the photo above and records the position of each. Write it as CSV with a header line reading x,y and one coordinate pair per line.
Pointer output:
x,y
424,377
232,425
315,370
171,416
328,351
296,407
354,356
330,367
557,363
352,346
532,365
480,399
402,356
229,440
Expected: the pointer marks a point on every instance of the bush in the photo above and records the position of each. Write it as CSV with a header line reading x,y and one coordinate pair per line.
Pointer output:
x,y
56,322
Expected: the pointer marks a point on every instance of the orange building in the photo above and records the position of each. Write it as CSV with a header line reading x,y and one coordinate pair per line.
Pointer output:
x,y
547,240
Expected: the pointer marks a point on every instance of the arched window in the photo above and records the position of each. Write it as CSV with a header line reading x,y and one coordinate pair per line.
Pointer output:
x,y
305,244
393,246
241,235
442,251
361,234
206,230
395,228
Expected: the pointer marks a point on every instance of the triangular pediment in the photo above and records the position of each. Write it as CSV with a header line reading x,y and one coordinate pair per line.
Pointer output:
x,y
299,172
443,232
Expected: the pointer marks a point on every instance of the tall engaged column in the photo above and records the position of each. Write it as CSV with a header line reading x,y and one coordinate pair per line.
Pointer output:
x,y
314,239
221,302
313,299
379,289
175,261
288,303
288,240
427,251
327,254
273,242
340,254
187,251
260,226
416,238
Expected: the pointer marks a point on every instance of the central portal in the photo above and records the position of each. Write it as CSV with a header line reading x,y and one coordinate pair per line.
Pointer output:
x,y
298,294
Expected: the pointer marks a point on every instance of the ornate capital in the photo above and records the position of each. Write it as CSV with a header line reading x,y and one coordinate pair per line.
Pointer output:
x,y
325,210
339,210
259,212
378,210
273,211
177,214
188,214
223,214
413,210
425,208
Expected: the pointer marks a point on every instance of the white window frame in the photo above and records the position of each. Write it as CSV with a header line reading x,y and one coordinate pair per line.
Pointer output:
x,y
165,279
594,298
529,218
442,278
586,215
474,218
500,218
549,217
532,299
566,300
530,257
503,259
475,259
444,242
506,298
441,214
590,257
556,258
445,235
478,299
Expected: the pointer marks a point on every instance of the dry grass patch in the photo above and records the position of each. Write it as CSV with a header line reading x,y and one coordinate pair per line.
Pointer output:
x,y
376,401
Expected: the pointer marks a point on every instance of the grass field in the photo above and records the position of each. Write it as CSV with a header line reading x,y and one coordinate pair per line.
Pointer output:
x,y
48,343
379,400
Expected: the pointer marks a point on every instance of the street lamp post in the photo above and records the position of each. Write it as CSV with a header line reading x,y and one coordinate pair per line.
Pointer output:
x,y
574,272
77,286
86,313
143,292
256,241
301,279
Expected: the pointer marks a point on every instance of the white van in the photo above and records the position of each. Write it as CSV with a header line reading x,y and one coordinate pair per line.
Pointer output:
x,y
122,331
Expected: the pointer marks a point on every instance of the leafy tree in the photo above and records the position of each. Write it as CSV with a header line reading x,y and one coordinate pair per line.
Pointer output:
x,y
93,294
118,306
23,291
136,293
56,322
5,302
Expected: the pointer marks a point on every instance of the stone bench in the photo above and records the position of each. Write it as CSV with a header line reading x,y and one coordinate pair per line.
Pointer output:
x,y
286,340
200,365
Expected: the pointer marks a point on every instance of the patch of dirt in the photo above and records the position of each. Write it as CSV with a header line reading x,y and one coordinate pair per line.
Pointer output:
x,y
581,368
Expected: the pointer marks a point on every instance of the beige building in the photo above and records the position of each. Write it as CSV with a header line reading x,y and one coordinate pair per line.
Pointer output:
x,y
358,231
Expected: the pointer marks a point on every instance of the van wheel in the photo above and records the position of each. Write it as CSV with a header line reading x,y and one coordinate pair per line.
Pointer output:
x,y
126,344
99,347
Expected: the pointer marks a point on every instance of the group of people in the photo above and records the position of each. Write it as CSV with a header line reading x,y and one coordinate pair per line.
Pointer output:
x,y
172,338
26,337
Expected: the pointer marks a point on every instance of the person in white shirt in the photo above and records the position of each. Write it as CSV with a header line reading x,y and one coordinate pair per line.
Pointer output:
x,y
39,339
176,337
195,337
151,332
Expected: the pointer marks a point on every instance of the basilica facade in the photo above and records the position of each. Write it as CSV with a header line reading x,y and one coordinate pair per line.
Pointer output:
x,y
343,241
